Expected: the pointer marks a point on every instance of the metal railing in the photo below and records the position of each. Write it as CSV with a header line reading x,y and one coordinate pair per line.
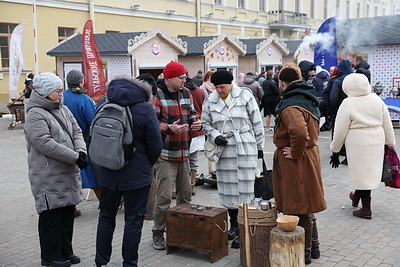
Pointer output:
x,y
285,16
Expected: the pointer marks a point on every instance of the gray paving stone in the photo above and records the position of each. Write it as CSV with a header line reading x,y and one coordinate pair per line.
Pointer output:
x,y
345,239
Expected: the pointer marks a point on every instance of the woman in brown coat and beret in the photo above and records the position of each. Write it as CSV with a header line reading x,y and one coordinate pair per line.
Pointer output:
x,y
297,178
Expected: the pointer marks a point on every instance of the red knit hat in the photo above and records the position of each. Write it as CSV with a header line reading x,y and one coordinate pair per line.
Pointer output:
x,y
174,69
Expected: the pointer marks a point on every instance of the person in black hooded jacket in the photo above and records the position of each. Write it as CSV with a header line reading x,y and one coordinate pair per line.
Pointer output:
x,y
308,70
133,181
361,66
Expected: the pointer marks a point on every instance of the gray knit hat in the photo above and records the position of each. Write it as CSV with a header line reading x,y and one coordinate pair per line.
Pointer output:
x,y
46,82
74,78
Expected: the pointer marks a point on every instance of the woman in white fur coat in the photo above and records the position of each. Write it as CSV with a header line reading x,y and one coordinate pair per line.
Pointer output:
x,y
363,124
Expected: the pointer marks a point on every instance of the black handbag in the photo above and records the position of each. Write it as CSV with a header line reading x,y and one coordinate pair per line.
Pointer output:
x,y
263,187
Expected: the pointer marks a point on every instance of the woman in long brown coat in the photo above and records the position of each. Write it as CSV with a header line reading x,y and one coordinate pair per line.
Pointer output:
x,y
297,178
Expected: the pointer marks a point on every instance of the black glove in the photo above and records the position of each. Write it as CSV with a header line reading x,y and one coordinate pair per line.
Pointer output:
x,y
335,162
260,154
220,140
82,161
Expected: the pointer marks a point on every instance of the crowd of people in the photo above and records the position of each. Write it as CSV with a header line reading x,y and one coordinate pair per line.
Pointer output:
x,y
173,117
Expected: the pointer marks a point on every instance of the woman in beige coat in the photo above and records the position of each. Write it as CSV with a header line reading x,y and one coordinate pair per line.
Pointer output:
x,y
363,124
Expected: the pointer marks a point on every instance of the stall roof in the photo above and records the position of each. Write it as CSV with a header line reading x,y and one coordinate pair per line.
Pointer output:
x,y
107,44
292,46
252,45
368,31
195,45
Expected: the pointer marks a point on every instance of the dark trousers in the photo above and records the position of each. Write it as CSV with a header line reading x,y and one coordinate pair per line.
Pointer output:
x,y
135,202
55,233
363,193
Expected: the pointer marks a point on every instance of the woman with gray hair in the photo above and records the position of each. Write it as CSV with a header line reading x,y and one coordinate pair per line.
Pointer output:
x,y
56,151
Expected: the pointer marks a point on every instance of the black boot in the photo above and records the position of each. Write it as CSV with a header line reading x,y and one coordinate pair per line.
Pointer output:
x,y
233,232
315,253
236,242
307,223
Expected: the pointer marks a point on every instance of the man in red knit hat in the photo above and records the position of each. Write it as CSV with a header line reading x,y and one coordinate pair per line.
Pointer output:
x,y
175,111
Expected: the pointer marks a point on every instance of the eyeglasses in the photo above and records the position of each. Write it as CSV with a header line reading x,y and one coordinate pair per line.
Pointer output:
x,y
59,91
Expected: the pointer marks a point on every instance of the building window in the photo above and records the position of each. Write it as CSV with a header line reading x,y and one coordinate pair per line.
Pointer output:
x,y
367,15
218,2
376,11
358,10
261,5
112,31
240,3
64,33
347,9
5,38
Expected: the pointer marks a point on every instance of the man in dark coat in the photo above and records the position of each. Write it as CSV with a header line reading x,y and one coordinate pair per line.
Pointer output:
x,y
361,66
133,181
308,70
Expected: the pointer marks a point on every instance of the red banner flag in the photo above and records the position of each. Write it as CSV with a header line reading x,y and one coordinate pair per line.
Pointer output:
x,y
95,82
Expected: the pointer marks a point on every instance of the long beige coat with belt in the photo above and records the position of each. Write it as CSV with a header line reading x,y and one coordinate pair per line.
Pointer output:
x,y
363,124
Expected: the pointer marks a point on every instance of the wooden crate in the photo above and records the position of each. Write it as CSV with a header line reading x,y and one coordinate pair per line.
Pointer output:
x,y
260,223
204,229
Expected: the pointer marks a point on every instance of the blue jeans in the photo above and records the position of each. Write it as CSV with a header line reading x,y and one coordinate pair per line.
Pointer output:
x,y
135,202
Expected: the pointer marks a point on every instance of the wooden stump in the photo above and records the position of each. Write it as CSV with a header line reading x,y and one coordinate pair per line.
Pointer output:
x,y
260,225
152,197
287,248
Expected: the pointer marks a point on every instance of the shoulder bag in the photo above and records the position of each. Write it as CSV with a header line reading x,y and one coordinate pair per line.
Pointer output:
x,y
211,150
391,168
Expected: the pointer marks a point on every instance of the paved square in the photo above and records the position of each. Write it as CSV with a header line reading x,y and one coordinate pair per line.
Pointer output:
x,y
345,239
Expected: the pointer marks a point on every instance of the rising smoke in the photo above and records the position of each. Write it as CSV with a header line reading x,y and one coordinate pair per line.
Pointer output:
x,y
349,35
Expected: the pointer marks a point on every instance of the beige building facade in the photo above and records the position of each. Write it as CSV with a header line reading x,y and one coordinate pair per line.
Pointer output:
x,y
57,20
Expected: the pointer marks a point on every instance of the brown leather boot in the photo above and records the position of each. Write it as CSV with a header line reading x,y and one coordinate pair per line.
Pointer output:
x,y
355,198
365,211
193,182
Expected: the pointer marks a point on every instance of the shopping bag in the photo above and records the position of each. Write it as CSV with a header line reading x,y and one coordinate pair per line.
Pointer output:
x,y
391,168
263,187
